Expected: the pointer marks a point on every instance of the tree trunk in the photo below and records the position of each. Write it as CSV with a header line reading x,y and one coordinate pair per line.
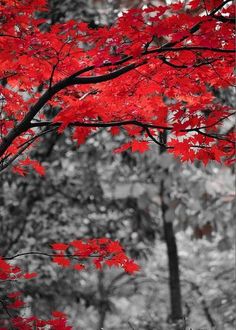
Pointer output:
x,y
102,307
173,262
174,280
176,315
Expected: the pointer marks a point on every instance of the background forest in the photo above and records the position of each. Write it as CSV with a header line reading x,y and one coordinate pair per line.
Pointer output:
x,y
91,192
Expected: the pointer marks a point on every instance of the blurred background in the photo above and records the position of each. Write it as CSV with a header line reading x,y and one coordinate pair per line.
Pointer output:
x,y
175,219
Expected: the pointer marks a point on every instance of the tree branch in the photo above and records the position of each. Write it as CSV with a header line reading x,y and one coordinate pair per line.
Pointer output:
x,y
225,19
204,304
155,140
24,125
174,49
101,124
23,147
44,254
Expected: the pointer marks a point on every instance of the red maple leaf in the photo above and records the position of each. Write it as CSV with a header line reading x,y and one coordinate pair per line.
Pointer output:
x,y
28,276
140,146
131,267
59,246
61,260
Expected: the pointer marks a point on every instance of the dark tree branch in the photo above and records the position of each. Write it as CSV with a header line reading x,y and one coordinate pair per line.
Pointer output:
x,y
12,159
205,307
214,11
9,36
155,140
23,147
50,255
101,124
4,305
225,19
175,49
184,66
217,137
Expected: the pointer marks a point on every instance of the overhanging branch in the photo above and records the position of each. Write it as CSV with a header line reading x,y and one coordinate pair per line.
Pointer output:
x,y
76,78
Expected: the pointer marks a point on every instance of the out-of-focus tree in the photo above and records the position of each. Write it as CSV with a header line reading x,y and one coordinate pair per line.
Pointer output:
x,y
95,12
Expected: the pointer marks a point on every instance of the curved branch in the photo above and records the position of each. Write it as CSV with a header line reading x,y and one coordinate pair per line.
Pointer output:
x,y
174,49
23,147
224,19
218,121
50,255
24,125
155,140
217,137
214,11
183,66
102,124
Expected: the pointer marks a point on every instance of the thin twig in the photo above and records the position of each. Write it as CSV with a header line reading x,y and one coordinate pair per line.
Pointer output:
x,y
44,254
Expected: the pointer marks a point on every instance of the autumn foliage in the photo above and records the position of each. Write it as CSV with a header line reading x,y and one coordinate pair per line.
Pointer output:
x,y
154,71
74,255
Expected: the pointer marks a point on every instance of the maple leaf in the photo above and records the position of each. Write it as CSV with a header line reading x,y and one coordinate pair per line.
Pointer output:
x,y
112,263
114,247
195,3
115,130
140,146
28,276
4,266
124,147
98,263
59,246
18,169
176,6
16,304
81,248
58,314
39,168
34,163
79,267
131,267
14,294
61,260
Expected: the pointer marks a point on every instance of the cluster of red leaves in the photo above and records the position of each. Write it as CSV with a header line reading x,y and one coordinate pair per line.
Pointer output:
x,y
181,52
58,322
21,167
12,302
11,273
102,251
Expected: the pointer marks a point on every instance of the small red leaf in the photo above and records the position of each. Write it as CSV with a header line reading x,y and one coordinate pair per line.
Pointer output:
x,y
130,267
140,146
59,246
62,261
4,266
14,294
115,130
16,304
97,263
124,147
39,168
79,267
28,276
18,169
59,314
